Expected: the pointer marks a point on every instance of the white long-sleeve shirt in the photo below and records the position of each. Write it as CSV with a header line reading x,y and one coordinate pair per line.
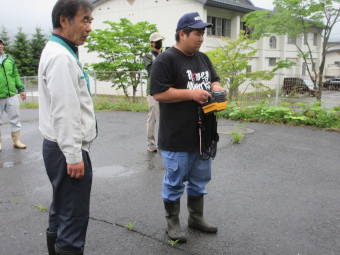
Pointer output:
x,y
66,113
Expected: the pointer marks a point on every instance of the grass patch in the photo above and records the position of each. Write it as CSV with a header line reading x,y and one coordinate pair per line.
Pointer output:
x,y
29,105
302,114
107,103
120,104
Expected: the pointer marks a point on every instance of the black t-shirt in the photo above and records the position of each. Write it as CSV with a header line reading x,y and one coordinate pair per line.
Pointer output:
x,y
178,128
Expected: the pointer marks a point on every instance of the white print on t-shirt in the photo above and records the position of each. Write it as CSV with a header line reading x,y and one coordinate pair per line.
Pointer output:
x,y
198,80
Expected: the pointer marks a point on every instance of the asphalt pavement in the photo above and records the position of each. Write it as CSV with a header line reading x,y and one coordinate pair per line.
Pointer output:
x,y
278,192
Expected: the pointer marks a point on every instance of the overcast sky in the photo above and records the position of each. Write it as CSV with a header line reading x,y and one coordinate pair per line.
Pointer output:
x,y
30,14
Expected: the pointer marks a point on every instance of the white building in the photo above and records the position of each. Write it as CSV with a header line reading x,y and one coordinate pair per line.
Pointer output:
x,y
226,16
332,64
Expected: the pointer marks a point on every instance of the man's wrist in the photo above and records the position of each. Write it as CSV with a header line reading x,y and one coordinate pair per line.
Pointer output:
x,y
191,93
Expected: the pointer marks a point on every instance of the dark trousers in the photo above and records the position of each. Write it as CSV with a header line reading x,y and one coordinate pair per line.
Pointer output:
x,y
69,211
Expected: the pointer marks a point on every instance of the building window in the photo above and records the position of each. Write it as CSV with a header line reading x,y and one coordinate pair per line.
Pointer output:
x,y
272,61
272,42
248,70
305,39
315,39
221,26
292,40
337,63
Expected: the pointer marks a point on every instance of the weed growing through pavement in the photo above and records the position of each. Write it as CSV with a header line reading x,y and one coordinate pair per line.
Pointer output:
x,y
172,242
237,136
41,208
130,225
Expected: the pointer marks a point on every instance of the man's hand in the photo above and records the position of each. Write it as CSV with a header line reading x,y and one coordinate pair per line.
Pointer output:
x,y
200,95
76,170
23,96
216,86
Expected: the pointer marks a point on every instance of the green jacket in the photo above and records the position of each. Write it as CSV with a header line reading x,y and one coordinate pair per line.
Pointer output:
x,y
10,83
148,60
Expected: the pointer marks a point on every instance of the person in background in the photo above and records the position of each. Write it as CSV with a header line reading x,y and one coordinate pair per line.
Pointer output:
x,y
180,80
10,86
68,124
156,40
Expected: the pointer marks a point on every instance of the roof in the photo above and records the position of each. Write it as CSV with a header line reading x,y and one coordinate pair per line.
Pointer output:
x,y
223,4
231,5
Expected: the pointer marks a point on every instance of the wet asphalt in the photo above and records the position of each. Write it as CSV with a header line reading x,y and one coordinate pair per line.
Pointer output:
x,y
278,192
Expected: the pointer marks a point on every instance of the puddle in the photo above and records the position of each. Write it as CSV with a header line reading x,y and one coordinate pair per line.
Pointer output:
x,y
113,171
9,164
28,159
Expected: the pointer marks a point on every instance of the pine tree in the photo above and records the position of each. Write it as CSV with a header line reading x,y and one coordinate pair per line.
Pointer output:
x,y
37,44
6,40
21,53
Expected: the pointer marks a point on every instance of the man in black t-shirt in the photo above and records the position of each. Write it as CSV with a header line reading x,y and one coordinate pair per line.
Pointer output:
x,y
180,80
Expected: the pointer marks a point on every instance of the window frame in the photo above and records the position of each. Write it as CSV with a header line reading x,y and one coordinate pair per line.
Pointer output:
x,y
221,26
271,60
272,42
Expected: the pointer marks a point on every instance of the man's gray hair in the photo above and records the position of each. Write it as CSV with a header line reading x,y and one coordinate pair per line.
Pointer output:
x,y
68,9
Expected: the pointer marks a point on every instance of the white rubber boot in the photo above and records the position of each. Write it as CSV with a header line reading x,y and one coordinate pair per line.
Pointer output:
x,y
16,141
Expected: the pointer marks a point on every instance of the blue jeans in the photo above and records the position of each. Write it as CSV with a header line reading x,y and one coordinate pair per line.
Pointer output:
x,y
184,167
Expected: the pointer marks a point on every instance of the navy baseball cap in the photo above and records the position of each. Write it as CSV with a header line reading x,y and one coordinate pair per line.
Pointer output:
x,y
192,20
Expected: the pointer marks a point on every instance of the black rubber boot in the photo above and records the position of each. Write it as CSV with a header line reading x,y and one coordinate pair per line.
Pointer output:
x,y
196,219
51,238
173,228
61,252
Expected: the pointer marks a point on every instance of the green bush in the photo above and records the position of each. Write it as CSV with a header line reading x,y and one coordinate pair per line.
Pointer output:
x,y
306,115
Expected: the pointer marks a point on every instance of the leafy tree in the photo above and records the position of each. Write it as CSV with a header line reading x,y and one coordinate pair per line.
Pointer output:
x,y
37,44
6,40
21,53
231,61
298,18
121,47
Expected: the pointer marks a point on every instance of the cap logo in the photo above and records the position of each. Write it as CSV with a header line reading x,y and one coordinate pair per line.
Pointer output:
x,y
198,18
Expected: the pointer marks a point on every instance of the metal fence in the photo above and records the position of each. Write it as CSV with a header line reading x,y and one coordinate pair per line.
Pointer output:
x,y
275,91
